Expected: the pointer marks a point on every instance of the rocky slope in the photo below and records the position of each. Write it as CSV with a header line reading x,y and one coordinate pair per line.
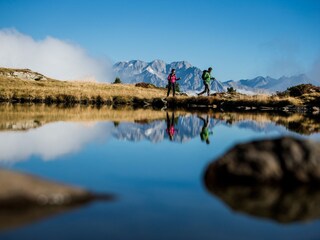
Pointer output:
x,y
24,74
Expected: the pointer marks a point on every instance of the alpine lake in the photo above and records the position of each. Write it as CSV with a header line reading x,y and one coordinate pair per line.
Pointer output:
x,y
153,163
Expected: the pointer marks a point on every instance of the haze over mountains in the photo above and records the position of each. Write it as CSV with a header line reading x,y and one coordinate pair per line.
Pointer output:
x,y
156,73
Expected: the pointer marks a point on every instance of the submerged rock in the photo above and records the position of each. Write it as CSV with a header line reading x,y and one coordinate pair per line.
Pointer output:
x,y
21,191
25,199
285,160
300,204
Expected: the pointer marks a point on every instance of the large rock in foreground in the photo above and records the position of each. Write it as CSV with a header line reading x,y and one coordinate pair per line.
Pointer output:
x,y
275,179
285,160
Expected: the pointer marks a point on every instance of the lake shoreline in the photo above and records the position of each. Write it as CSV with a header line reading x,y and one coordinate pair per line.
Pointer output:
x,y
173,103
25,86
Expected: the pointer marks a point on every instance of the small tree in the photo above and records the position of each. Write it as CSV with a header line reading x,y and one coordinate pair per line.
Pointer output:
x,y
117,80
231,90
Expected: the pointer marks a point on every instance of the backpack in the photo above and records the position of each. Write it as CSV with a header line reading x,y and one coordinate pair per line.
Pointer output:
x,y
203,74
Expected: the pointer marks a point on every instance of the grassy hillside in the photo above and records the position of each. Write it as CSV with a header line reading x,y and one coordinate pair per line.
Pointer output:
x,y
50,90
25,86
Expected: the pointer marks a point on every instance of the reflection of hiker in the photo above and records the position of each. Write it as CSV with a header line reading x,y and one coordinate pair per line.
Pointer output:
x,y
170,126
206,77
172,78
204,135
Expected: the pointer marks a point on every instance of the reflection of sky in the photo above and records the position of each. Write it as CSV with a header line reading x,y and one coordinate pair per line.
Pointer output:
x,y
54,140
159,186
48,142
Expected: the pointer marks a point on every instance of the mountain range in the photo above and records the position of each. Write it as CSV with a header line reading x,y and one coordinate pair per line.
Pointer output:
x,y
188,127
156,73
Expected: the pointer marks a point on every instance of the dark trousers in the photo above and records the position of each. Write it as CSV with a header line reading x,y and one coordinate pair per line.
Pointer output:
x,y
170,123
173,86
206,89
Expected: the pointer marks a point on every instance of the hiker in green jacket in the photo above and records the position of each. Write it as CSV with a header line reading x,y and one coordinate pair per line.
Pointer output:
x,y
206,77
205,133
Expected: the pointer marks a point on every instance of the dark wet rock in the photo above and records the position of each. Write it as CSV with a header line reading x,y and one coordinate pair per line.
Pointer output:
x,y
11,218
275,179
282,205
286,161
23,191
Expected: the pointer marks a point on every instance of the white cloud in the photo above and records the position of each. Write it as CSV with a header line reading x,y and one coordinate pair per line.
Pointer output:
x,y
50,141
51,56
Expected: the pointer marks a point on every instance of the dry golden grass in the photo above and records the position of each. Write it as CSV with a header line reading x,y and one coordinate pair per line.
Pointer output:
x,y
16,88
263,99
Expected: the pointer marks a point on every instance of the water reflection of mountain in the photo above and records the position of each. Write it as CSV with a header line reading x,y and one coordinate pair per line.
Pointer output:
x,y
188,127
150,125
259,126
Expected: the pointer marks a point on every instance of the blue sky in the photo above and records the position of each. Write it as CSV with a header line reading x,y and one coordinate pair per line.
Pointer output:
x,y
240,39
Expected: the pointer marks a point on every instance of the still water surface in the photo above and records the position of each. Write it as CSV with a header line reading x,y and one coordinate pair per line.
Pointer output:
x,y
157,178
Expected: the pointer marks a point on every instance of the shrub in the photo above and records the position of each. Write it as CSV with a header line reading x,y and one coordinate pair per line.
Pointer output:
x,y
301,89
231,90
117,80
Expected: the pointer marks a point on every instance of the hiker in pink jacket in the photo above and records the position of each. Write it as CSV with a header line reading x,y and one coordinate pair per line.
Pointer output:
x,y
172,78
171,130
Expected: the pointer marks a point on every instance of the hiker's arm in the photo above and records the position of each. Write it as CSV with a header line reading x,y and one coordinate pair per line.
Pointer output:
x,y
178,79
213,78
